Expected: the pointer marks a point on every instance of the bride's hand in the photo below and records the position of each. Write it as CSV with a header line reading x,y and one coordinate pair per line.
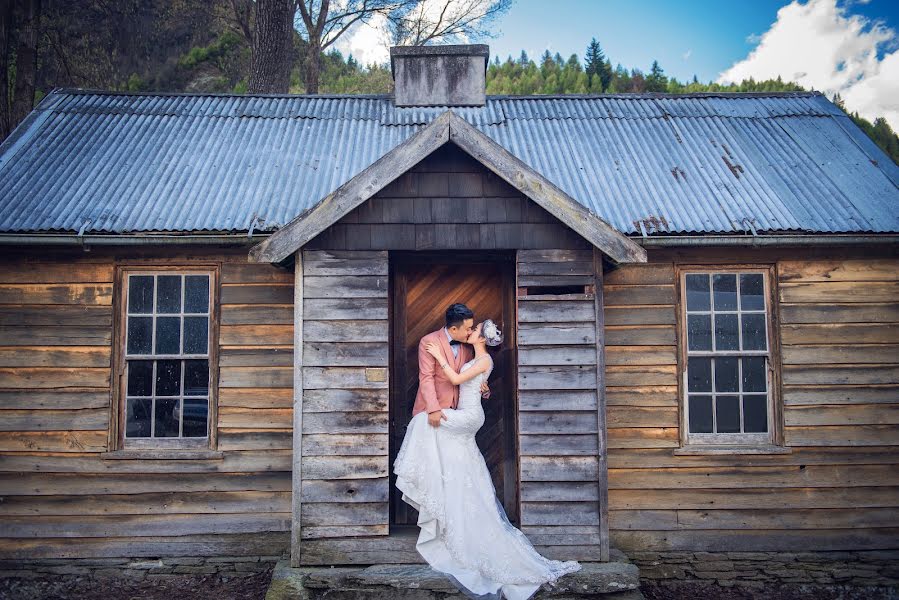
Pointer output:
x,y
433,348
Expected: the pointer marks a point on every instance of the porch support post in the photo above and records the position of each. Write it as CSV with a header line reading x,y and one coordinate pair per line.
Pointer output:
x,y
297,472
603,475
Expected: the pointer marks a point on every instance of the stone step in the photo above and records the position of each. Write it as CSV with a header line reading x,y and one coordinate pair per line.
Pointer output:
x,y
610,581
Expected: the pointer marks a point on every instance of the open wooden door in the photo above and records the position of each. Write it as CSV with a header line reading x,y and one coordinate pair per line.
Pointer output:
x,y
423,286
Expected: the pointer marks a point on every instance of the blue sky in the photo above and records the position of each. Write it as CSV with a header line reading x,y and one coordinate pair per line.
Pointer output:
x,y
687,37
846,47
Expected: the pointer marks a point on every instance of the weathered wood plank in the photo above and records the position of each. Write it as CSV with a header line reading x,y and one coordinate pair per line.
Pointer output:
x,y
648,274
754,498
255,418
257,294
786,540
345,422
53,400
337,400
839,394
111,526
554,256
53,377
344,378
653,458
643,437
329,262
346,331
54,441
870,269
341,531
842,354
346,490
662,395
556,378
336,309
638,295
71,484
643,335
56,335
256,397
843,374
262,439
639,315
852,333
362,354
557,355
58,316
559,468
847,435
330,444
640,355
248,377
839,313
346,287
556,400
153,503
344,467
55,356
250,335
859,414
555,311
54,420
627,376
558,445
557,422
559,491
255,544
840,291
775,476
351,513
247,356
98,294
642,416
61,271
552,513
242,272
232,462
533,334
238,314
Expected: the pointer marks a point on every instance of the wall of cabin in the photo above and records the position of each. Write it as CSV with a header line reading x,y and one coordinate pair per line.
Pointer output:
x,y
59,495
838,323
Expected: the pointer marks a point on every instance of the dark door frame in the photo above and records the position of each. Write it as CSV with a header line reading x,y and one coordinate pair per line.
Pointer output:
x,y
510,495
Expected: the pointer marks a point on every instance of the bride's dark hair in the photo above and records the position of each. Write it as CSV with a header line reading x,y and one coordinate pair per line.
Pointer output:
x,y
491,333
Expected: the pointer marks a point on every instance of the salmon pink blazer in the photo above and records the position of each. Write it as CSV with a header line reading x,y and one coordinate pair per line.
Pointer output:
x,y
435,391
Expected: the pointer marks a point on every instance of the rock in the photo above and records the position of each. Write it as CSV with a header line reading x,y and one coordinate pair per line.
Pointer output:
x,y
598,578
404,576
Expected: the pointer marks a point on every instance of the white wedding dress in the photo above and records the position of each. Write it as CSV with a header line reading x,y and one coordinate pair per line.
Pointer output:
x,y
464,529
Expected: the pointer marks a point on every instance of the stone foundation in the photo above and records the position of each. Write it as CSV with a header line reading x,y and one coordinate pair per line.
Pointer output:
x,y
137,569
760,569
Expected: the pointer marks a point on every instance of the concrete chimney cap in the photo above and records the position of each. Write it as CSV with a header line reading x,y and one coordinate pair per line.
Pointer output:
x,y
444,50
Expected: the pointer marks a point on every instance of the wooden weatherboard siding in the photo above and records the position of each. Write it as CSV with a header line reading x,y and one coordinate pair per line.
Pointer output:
x,y
560,434
63,496
345,486
836,489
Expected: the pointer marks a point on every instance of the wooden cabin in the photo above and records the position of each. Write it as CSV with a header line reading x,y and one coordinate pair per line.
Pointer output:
x,y
210,308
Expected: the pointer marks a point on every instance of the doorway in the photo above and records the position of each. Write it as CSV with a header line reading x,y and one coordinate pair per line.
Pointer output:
x,y
423,285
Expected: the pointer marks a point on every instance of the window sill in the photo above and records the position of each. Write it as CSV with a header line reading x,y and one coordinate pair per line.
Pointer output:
x,y
162,454
728,450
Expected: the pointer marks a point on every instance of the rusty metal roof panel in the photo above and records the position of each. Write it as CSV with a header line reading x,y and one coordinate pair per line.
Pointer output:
x,y
648,164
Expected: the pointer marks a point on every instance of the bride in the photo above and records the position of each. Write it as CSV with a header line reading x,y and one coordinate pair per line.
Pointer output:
x,y
464,529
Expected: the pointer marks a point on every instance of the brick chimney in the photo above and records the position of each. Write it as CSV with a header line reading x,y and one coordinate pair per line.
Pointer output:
x,y
440,75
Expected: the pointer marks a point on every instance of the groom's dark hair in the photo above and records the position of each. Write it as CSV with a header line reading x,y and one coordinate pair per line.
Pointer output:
x,y
457,313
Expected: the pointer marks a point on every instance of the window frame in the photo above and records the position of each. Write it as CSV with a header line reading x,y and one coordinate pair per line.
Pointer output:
x,y
750,442
117,440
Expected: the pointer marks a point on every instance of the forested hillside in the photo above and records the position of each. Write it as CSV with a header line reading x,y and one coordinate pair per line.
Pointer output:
x,y
203,46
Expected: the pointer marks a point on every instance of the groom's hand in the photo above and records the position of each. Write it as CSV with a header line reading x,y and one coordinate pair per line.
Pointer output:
x,y
434,418
485,390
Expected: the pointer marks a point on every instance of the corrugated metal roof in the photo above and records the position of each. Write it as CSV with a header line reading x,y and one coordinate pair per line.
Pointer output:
x,y
120,163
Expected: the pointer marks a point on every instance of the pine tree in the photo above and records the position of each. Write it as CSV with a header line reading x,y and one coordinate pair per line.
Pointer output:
x,y
656,81
595,61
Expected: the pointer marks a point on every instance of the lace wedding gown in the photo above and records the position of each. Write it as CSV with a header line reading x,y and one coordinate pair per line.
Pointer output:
x,y
464,529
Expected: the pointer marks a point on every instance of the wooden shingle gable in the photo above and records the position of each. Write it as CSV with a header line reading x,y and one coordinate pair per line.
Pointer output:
x,y
448,127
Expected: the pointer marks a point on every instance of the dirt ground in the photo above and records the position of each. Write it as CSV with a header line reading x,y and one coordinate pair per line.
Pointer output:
x,y
187,587
253,587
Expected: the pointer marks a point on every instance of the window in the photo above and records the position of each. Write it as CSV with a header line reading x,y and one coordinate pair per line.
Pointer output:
x,y
727,346
166,359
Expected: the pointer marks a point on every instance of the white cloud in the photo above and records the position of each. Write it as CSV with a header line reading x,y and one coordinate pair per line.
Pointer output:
x,y
819,45
686,55
367,42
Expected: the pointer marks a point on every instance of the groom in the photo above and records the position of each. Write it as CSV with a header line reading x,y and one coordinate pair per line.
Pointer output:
x,y
435,391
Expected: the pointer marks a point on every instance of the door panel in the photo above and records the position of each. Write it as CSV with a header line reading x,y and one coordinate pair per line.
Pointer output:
x,y
422,289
